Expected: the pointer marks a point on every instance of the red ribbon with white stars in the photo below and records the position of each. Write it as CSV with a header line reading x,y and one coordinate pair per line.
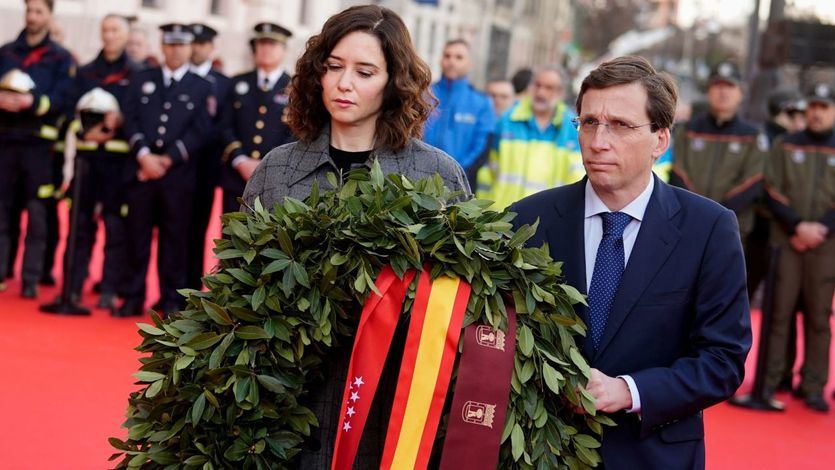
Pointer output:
x,y
378,321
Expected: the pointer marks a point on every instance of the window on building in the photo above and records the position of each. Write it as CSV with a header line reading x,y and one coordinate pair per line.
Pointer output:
x,y
416,33
215,7
304,12
152,3
498,52
531,7
433,30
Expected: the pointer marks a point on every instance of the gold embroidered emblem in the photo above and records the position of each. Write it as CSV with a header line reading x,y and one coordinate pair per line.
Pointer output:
x,y
489,338
478,413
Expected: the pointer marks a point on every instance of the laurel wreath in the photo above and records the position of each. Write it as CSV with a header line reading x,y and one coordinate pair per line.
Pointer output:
x,y
224,381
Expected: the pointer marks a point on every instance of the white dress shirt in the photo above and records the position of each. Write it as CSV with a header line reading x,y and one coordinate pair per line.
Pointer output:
x,y
168,74
593,231
202,69
272,77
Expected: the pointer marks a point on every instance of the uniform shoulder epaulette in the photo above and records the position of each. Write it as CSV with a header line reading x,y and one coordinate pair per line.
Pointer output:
x,y
696,123
747,128
61,50
205,80
149,72
243,75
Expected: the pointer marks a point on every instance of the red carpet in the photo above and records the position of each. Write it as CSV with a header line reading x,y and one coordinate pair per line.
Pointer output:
x,y
64,384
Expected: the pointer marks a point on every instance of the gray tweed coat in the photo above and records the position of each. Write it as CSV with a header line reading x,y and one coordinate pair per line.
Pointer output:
x,y
290,170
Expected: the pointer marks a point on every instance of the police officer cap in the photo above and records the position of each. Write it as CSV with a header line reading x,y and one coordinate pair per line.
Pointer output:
x,y
785,99
271,31
821,93
725,71
176,33
203,32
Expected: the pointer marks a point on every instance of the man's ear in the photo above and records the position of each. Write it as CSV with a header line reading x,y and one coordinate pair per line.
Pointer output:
x,y
664,141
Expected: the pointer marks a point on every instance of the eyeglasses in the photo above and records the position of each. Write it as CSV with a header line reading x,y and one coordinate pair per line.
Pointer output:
x,y
589,126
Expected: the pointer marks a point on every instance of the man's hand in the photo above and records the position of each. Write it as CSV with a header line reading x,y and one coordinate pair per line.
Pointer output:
x,y
151,167
10,101
25,100
610,394
166,160
113,120
811,234
246,167
98,134
798,244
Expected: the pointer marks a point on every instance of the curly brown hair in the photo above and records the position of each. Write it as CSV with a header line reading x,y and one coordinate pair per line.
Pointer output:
x,y
406,99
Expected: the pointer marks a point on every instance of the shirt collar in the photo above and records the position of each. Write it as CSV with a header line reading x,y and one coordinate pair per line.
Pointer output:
x,y
636,208
272,76
21,41
168,74
202,69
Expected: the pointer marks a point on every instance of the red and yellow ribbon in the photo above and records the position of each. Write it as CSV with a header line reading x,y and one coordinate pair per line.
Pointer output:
x,y
425,370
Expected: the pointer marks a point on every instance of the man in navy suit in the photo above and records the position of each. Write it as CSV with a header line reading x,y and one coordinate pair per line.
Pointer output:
x,y
209,163
167,118
668,318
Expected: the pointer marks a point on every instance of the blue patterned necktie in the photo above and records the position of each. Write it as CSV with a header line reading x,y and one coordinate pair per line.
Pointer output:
x,y
608,268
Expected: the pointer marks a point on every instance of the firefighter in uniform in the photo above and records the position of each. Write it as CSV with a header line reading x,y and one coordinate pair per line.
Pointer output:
x,y
37,77
253,114
208,165
167,120
786,114
800,187
718,154
101,87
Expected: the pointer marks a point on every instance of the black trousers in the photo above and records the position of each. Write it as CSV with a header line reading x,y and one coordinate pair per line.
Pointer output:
x,y
233,188
52,227
103,176
15,215
166,203
27,162
208,169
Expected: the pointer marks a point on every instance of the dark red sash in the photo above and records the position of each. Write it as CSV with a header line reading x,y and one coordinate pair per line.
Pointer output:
x,y
482,393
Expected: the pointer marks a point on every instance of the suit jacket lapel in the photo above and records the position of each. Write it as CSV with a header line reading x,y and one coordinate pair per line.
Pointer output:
x,y
566,240
657,238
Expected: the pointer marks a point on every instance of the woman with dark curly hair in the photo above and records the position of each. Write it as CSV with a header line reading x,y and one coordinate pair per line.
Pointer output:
x,y
359,94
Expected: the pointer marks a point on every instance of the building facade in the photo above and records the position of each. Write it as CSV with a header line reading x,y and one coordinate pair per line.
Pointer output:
x,y
234,20
505,34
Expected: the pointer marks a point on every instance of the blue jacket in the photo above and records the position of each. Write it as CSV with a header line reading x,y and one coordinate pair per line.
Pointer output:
x,y
462,123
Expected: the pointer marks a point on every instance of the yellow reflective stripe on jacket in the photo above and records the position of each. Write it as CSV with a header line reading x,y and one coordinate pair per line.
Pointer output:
x,y
662,170
43,106
526,159
117,146
49,132
86,145
46,191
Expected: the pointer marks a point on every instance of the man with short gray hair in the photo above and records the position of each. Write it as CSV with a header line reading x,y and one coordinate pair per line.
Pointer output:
x,y
534,145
